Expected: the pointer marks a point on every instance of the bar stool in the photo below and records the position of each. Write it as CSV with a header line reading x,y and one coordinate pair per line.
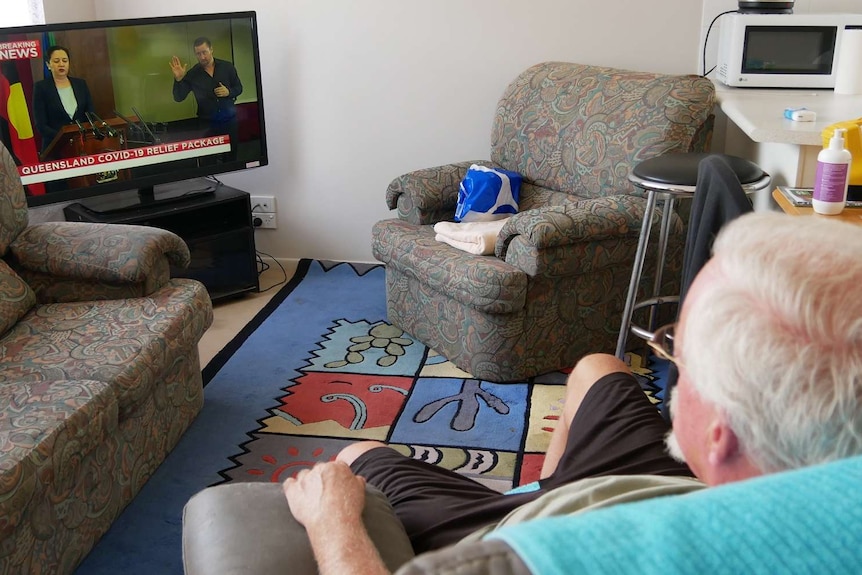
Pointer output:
x,y
669,177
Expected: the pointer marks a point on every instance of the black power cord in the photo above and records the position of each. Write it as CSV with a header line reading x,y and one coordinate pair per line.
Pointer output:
x,y
255,221
262,266
706,39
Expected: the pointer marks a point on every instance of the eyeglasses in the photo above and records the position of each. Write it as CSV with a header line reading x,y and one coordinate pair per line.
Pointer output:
x,y
662,343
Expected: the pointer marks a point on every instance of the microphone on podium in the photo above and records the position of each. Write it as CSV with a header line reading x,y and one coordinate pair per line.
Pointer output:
x,y
150,133
97,133
111,131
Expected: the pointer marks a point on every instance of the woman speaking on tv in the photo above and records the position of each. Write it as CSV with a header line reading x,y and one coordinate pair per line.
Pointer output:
x,y
60,99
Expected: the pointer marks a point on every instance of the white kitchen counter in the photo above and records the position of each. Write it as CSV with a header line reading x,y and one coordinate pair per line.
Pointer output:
x,y
760,112
787,150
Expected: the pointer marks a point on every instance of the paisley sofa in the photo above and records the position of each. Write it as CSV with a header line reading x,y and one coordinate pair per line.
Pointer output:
x,y
554,289
99,375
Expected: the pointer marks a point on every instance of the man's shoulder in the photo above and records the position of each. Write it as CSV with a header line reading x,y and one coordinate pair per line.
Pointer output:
x,y
612,489
595,493
603,491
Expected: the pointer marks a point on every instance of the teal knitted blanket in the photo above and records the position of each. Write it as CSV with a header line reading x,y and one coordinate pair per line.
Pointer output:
x,y
803,521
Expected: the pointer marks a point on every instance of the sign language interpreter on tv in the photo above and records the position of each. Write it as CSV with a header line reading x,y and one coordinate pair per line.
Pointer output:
x,y
215,84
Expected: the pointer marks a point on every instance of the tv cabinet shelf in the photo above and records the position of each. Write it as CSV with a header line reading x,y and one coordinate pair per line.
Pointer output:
x,y
216,226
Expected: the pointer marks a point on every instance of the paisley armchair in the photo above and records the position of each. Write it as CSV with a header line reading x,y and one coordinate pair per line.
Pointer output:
x,y
554,289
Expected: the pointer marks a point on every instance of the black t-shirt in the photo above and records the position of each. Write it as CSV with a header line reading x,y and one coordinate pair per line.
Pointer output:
x,y
216,110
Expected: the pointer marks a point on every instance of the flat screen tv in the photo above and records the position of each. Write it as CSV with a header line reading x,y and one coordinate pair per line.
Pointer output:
x,y
131,105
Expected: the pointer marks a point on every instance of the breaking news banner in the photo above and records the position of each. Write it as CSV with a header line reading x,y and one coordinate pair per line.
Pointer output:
x,y
122,159
20,50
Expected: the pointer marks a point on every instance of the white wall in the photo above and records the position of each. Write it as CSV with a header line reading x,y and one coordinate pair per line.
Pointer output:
x,y
357,93
69,10
21,13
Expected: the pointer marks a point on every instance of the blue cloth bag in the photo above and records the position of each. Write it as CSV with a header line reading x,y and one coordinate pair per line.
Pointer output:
x,y
487,194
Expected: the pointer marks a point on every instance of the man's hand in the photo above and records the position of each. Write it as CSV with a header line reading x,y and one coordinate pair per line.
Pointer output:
x,y
221,91
328,500
326,493
178,68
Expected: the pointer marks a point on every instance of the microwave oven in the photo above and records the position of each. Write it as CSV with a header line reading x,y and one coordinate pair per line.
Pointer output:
x,y
781,50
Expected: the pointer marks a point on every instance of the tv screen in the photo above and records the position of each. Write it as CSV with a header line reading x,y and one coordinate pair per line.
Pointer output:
x,y
91,108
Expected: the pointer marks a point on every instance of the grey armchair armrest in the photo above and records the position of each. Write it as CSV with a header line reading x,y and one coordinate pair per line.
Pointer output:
x,y
586,220
247,529
429,195
71,261
527,235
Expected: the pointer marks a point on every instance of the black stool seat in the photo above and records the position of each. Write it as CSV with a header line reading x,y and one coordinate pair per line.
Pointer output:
x,y
670,177
680,171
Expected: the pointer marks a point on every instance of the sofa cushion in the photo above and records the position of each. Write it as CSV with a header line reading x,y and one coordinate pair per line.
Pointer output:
x,y
16,297
483,282
128,343
46,429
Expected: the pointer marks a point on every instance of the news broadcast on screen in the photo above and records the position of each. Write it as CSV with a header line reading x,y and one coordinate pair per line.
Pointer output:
x,y
91,108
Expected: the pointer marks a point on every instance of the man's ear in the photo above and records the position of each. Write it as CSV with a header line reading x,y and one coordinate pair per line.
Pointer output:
x,y
723,448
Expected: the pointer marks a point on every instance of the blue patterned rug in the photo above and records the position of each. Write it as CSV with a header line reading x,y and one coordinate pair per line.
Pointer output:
x,y
316,370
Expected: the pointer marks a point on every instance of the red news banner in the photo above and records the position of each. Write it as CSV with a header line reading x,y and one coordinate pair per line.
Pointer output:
x,y
122,159
20,50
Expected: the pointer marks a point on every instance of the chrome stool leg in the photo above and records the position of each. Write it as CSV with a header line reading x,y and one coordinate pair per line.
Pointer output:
x,y
637,270
664,238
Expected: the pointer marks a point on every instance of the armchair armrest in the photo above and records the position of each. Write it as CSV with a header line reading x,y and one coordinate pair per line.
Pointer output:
x,y
429,195
581,221
65,261
248,528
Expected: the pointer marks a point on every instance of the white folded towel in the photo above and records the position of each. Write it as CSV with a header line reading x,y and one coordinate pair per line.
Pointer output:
x,y
474,237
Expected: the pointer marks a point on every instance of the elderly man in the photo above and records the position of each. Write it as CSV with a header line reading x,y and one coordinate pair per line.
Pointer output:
x,y
768,349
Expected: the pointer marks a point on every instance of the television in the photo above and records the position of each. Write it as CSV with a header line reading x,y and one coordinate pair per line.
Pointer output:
x,y
158,105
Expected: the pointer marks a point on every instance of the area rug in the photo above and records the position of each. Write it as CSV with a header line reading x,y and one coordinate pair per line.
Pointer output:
x,y
316,370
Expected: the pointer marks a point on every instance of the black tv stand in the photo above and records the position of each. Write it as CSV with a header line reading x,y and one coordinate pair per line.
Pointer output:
x,y
215,224
132,200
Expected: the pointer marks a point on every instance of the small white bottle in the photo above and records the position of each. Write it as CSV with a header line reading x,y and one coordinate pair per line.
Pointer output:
x,y
832,177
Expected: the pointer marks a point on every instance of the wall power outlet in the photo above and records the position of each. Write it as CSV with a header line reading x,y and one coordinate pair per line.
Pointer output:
x,y
264,220
263,204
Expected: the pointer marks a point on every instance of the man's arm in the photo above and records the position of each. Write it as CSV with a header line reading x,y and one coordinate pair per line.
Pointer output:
x,y
234,85
328,500
179,70
181,90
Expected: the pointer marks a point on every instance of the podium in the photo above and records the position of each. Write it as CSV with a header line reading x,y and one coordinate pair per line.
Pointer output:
x,y
72,141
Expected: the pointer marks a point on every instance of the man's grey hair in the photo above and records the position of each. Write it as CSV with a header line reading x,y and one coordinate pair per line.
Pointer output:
x,y
776,342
